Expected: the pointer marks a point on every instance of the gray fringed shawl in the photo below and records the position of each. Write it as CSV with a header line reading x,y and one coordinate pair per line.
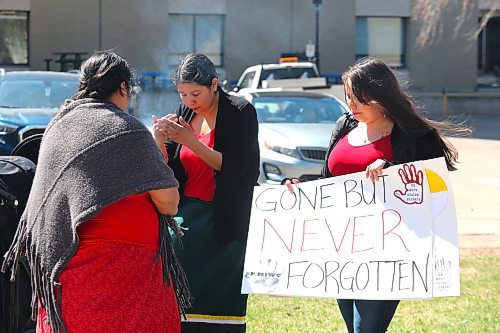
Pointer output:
x,y
92,154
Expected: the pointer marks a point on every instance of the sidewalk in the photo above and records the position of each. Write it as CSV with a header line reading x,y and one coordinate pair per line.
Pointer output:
x,y
476,183
476,186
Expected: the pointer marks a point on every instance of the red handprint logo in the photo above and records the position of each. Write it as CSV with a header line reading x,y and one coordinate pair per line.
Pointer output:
x,y
413,180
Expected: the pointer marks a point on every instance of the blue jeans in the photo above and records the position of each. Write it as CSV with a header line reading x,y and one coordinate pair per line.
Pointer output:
x,y
367,316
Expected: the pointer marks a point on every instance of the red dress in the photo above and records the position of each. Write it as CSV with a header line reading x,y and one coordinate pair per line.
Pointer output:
x,y
112,284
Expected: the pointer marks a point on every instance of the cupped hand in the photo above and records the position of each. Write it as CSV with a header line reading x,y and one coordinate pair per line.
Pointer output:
x,y
179,131
374,170
158,131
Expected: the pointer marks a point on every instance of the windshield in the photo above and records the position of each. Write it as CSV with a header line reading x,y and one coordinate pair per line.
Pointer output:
x,y
36,93
303,110
287,73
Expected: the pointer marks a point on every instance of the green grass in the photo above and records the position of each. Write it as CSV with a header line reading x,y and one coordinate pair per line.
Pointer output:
x,y
476,310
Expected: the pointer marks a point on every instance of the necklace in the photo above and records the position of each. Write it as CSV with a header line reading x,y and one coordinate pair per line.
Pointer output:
x,y
377,136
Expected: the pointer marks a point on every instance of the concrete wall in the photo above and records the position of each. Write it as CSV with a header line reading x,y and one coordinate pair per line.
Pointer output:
x,y
62,26
138,29
451,61
254,35
197,6
383,8
135,30
337,35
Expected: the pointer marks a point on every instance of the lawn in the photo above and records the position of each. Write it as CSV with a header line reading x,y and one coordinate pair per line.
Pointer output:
x,y
476,310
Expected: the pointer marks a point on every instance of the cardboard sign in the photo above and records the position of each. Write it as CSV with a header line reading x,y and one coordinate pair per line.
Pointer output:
x,y
348,237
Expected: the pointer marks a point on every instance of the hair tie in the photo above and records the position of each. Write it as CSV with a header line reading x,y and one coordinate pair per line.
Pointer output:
x,y
93,94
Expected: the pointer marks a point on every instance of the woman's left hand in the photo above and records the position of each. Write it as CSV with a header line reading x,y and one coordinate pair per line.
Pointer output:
x,y
374,170
158,132
180,132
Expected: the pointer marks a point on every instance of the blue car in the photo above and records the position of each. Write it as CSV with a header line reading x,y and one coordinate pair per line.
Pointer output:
x,y
28,102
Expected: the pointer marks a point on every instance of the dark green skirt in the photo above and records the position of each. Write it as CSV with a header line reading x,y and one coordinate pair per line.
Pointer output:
x,y
214,272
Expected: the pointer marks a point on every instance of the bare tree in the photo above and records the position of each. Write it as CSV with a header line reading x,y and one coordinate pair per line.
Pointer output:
x,y
430,14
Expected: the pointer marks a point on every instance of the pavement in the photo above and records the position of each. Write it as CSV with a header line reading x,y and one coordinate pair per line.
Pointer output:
x,y
476,183
476,187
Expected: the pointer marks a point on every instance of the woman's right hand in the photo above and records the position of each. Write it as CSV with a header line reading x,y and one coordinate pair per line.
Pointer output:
x,y
159,135
289,181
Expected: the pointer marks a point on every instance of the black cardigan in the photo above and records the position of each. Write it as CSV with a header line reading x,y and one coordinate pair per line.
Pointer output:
x,y
406,148
236,138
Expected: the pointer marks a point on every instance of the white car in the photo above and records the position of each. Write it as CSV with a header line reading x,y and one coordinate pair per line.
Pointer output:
x,y
294,132
284,74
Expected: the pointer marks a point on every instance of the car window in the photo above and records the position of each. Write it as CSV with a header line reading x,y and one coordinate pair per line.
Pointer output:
x,y
288,73
247,80
303,110
36,93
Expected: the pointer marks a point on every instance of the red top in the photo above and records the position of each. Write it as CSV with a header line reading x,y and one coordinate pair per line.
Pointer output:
x,y
113,283
346,158
200,182
137,220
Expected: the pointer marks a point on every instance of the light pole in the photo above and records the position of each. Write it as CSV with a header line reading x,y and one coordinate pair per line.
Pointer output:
x,y
317,7
100,25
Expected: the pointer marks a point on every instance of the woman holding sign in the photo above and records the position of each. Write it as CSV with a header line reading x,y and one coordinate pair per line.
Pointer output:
x,y
211,144
383,128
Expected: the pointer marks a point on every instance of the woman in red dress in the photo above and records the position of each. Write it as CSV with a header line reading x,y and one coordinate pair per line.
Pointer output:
x,y
94,227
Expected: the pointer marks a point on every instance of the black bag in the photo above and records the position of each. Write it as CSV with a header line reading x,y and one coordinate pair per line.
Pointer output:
x,y
16,178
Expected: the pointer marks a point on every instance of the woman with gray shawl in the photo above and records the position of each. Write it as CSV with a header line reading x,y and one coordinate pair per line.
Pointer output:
x,y
94,228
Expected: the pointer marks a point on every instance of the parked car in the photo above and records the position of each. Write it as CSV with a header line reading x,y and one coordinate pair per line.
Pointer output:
x,y
294,132
28,101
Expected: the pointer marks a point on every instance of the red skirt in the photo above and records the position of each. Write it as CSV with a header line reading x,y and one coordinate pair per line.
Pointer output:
x,y
115,289
112,284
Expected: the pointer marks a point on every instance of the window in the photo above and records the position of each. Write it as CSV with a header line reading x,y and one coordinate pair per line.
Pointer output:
x,y
381,37
247,80
13,38
195,33
287,73
489,48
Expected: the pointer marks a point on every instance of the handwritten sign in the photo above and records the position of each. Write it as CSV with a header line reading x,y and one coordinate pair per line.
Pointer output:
x,y
348,237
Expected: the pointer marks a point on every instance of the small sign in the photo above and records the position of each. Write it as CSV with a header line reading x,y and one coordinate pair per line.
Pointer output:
x,y
310,49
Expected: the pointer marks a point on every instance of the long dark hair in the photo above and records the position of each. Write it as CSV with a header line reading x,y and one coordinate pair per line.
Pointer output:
x,y
373,81
195,68
102,74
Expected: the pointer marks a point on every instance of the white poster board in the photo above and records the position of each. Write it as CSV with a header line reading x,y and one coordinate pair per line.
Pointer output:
x,y
347,237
